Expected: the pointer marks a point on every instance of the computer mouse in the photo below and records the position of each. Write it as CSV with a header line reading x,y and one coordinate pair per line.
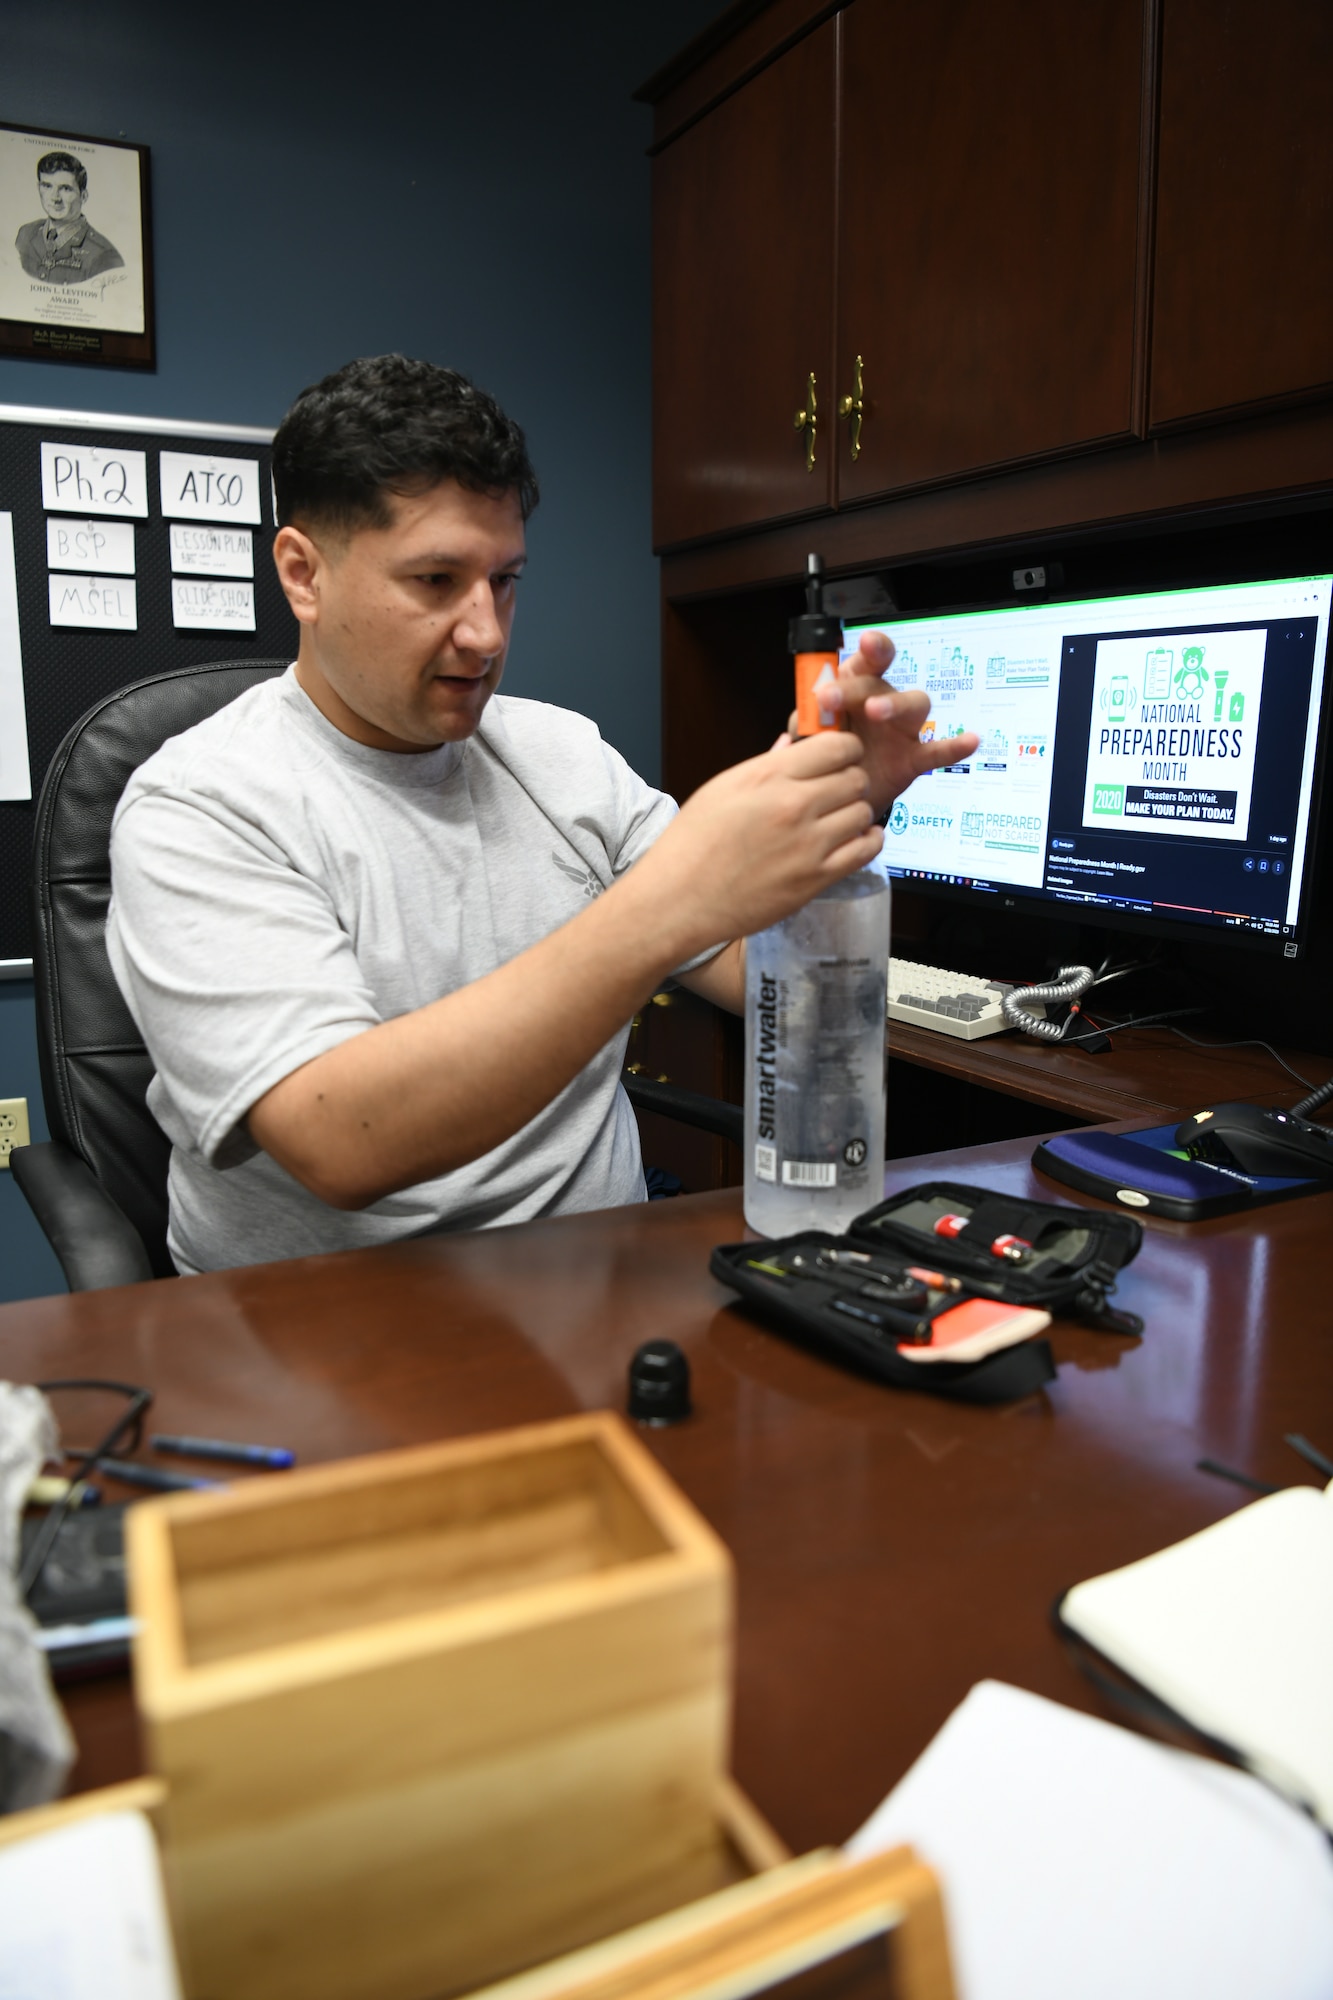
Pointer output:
x,y
1272,1143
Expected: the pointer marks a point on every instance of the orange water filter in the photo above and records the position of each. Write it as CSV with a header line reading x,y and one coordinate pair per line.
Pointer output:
x,y
815,639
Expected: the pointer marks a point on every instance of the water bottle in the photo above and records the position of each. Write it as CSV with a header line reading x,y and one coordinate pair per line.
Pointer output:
x,y
815,1008
815,1004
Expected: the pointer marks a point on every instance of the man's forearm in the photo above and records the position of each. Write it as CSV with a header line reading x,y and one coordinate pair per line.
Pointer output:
x,y
421,1095
721,979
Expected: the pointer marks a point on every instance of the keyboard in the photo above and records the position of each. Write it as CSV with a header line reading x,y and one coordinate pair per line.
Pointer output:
x,y
952,1003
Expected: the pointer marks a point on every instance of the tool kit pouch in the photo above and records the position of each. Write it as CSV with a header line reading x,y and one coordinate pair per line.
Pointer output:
x,y
836,1292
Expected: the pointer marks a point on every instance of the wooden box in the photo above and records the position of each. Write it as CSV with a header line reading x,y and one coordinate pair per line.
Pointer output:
x,y
430,1717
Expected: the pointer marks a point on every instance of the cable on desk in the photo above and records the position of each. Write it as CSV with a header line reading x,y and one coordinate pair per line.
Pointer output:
x,y
1312,1103
128,1427
1136,1021
1320,1091
1071,985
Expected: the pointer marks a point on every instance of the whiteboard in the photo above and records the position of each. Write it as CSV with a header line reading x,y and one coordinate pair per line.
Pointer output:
x,y
139,544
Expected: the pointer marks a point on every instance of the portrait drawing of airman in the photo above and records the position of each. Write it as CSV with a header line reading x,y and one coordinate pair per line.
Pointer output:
x,y
62,247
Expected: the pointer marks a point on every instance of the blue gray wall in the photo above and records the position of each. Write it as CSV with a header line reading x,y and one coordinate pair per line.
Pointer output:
x,y
462,182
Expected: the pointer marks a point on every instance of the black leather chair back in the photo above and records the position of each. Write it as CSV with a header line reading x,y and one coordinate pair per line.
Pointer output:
x,y
95,1068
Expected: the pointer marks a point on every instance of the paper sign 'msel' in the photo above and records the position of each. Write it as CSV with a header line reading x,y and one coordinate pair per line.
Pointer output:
x,y
98,603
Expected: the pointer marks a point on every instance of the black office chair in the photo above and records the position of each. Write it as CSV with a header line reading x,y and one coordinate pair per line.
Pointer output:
x,y
98,1187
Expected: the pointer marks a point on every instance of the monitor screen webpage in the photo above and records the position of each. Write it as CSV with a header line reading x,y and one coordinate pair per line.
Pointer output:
x,y
1151,758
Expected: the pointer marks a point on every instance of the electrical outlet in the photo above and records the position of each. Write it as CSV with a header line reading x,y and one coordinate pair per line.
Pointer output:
x,y
13,1125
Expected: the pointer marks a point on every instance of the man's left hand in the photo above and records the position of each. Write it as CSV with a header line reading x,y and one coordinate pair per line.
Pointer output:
x,y
889,722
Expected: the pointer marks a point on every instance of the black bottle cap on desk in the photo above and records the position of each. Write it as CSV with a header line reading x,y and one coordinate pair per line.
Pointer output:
x,y
816,630
659,1383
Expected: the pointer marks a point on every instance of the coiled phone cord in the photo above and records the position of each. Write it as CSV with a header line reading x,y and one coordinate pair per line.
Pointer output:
x,y
1070,983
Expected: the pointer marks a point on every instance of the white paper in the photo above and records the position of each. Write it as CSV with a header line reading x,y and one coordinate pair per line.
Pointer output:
x,y
212,551
15,774
82,1915
99,548
1078,1859
94,479
209,607
98,603
196,488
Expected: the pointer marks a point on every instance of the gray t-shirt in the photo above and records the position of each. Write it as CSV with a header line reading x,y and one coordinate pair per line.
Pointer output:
x,y
278,888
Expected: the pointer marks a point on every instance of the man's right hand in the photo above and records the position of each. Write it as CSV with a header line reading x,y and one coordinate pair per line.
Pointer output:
x,y
763,838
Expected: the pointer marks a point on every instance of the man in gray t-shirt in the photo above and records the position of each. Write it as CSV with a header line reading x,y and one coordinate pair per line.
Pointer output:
x,y
383,929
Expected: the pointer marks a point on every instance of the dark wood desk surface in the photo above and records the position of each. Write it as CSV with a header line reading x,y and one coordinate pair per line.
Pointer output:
x,y
891,1549
1149,1074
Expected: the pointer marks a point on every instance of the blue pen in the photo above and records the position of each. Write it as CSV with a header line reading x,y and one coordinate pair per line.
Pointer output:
x,y
153,1478
271,1456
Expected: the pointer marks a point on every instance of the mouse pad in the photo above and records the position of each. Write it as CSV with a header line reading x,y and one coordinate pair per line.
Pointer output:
x,y
1145,1173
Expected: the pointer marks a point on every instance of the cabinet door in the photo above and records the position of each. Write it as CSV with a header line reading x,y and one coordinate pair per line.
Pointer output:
x,y
1243,296
742,302
988,231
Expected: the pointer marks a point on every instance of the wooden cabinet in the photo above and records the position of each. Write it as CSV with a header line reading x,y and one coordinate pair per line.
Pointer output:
x,y
743,302
988,216
1045,230
985,216
1243,294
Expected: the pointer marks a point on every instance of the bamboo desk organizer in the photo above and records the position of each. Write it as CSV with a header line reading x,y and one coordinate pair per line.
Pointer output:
x,y
429,1718
873,1931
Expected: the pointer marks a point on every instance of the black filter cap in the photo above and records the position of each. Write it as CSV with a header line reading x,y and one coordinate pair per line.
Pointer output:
x,y
659,1383
816,630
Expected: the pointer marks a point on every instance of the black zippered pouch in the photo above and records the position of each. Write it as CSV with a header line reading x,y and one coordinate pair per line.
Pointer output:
x,y
853,1294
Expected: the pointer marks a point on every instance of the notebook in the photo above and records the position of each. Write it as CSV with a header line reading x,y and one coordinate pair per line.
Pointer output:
x,y
1233,1628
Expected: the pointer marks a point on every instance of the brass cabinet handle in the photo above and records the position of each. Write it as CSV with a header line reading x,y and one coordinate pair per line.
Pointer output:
x,y
853,406
807,420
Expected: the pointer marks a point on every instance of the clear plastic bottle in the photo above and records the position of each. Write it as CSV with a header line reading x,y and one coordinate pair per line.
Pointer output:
x,y
815,1012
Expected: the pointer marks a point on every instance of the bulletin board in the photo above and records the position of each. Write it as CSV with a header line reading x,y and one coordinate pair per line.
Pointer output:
x,y
137,528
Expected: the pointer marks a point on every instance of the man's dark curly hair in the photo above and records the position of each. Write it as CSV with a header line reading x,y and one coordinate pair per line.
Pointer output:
x,y
385,425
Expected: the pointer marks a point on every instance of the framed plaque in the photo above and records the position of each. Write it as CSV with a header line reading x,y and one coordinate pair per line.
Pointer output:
x,y
76,257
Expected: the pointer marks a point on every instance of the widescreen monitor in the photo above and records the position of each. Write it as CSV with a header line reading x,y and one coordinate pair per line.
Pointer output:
x,y
1146,761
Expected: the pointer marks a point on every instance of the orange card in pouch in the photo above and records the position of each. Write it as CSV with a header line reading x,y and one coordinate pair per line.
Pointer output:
x,y
976,1328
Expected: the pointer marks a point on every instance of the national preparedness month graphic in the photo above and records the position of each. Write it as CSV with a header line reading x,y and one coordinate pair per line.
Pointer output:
x,y
1172,734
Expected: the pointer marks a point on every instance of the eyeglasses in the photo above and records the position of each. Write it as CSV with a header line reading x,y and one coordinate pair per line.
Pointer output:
x,y
127,1430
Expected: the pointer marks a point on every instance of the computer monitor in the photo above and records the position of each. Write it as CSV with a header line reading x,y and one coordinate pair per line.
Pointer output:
x,y
1148,761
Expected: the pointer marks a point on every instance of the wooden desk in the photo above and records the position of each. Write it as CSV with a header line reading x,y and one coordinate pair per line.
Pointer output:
x,y
892,1549
1149,1075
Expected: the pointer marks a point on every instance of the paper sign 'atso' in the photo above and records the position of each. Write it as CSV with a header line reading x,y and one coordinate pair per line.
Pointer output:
x,y
195,488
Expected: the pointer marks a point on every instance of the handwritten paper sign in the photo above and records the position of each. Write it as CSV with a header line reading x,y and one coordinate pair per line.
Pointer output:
x,y
102,547
94,479
102,604
209,489
210,607
15,777
212,551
